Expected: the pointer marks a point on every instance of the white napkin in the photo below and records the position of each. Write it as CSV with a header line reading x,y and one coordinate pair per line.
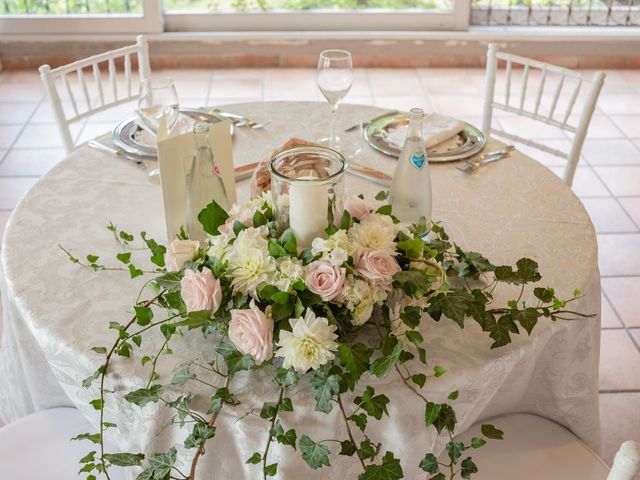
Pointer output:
x,y
436,129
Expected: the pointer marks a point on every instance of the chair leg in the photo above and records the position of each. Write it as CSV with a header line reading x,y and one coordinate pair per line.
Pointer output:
x,y
626,463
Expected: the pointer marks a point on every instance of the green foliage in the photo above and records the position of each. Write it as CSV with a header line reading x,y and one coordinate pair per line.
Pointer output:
x,y
314,454
212,217
326,384
355,359
382,365
389,469
125,459
374,405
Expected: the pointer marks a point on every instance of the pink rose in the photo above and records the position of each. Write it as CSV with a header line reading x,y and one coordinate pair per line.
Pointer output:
x,y
377,267
244,216
357,207
251,331
179,252
325,279
200,290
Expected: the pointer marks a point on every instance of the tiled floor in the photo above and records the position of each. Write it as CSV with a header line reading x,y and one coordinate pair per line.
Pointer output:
x,y
608,178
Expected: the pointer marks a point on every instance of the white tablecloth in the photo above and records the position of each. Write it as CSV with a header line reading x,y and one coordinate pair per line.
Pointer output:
x,y
55,311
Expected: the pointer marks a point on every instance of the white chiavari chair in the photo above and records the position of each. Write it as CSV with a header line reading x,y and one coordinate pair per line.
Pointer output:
x,y
556,114
104,89
39,446
535,448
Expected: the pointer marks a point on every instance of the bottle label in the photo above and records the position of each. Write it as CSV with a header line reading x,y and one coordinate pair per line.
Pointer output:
x,y
418,160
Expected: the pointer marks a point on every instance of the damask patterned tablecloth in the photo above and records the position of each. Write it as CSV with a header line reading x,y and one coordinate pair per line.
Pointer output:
x,y
54,311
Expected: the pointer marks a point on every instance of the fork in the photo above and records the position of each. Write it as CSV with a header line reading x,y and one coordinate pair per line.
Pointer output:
x,y
473,168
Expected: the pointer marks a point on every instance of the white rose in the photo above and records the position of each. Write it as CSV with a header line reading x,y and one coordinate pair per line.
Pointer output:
x,y
179,252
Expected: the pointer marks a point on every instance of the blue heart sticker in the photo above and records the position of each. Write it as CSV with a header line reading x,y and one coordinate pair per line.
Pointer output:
x,y
418,161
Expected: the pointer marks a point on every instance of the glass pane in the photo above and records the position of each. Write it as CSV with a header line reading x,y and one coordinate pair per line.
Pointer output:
x,y
305,5
66,7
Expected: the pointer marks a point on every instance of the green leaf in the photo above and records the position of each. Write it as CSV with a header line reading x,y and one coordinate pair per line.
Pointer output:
x,y
419,379
367,449
501,330
182,376
99,350
411,316
276,250
467,468
431,412
259,219
267,292
92,258
125,459
527,272
238,227
429,463
124,257
143,396
438,371
92,437
491,432
144,315
527,318
545,295
288,438
454,395
157,251
281,297
169,281
124,350
201,433
414,283
195,319
254,459
347,448
287,377
453,305
382,195
414,337
355,359
211,217
314,454
307,256
86,383
412,248
477,442
271,470
161,463
289,242
384,210
390,469
146,474
446,419
454,450
360,420
382,365
286,405
326,383
281,311
374,405
346,221
97,403
134,271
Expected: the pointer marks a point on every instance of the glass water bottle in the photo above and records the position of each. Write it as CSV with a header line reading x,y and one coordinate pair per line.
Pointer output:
x,y
205,182
411,187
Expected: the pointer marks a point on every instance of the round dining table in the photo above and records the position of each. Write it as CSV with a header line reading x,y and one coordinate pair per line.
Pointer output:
x,y
55,311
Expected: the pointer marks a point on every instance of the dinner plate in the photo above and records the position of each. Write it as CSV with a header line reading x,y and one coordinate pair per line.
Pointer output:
x,y
467,143
130,137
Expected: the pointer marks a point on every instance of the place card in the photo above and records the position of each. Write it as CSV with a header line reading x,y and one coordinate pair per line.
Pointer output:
x,y
175,156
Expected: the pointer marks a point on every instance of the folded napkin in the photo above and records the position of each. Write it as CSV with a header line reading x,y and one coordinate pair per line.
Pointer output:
x,y
148,139
437,129
261,178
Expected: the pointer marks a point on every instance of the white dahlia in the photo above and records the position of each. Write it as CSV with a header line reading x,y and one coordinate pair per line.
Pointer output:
x,y
250,265
310,344
375,232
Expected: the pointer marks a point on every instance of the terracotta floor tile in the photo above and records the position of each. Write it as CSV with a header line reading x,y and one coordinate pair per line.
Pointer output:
x,y
624,293
609,318
621,180
618,254
26,162
610,152
619,361
394,82
632,206
8,133
12,189
628,124
620,419
619,103
608,216
16,112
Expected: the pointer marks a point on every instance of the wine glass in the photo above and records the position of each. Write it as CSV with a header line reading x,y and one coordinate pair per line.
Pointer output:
x,y
158,98
334,79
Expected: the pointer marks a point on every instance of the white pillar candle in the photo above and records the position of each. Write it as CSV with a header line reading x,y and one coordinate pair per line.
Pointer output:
x,y
308,203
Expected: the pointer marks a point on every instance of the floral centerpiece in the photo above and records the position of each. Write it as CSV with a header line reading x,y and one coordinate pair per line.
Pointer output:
x,y
262,302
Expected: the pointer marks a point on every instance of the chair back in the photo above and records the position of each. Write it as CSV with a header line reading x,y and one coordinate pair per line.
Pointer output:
x,y
626,463
86,98
557,113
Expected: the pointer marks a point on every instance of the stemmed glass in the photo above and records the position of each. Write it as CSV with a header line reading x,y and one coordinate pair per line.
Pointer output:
x,y
334,79
158,98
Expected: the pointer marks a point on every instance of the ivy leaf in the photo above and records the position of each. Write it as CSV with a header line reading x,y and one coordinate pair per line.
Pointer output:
x,y
134,271
195,319
254,459
92,437
419,379
360,420
545,295
211,217
382,365
201,433
124,257
390,469
446,419
491,432
438,371
501,330
374,405
453,305
169,281
454,450
411,316
347,448
161,463
367,450
86,383
477,308
414,283
182,376
431,412
314,454
287,377
144,315
467,468
97,403
527,272
125,459
527,318
429,463
355,359
478,442
326,383
412,248
157,251
382,195
288,438
143,396
271,470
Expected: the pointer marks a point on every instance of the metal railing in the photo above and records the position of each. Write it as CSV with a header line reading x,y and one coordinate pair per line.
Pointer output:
x,y
556,12
69,7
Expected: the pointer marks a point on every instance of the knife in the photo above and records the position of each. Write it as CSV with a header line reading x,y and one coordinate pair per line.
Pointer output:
x,y
104,148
